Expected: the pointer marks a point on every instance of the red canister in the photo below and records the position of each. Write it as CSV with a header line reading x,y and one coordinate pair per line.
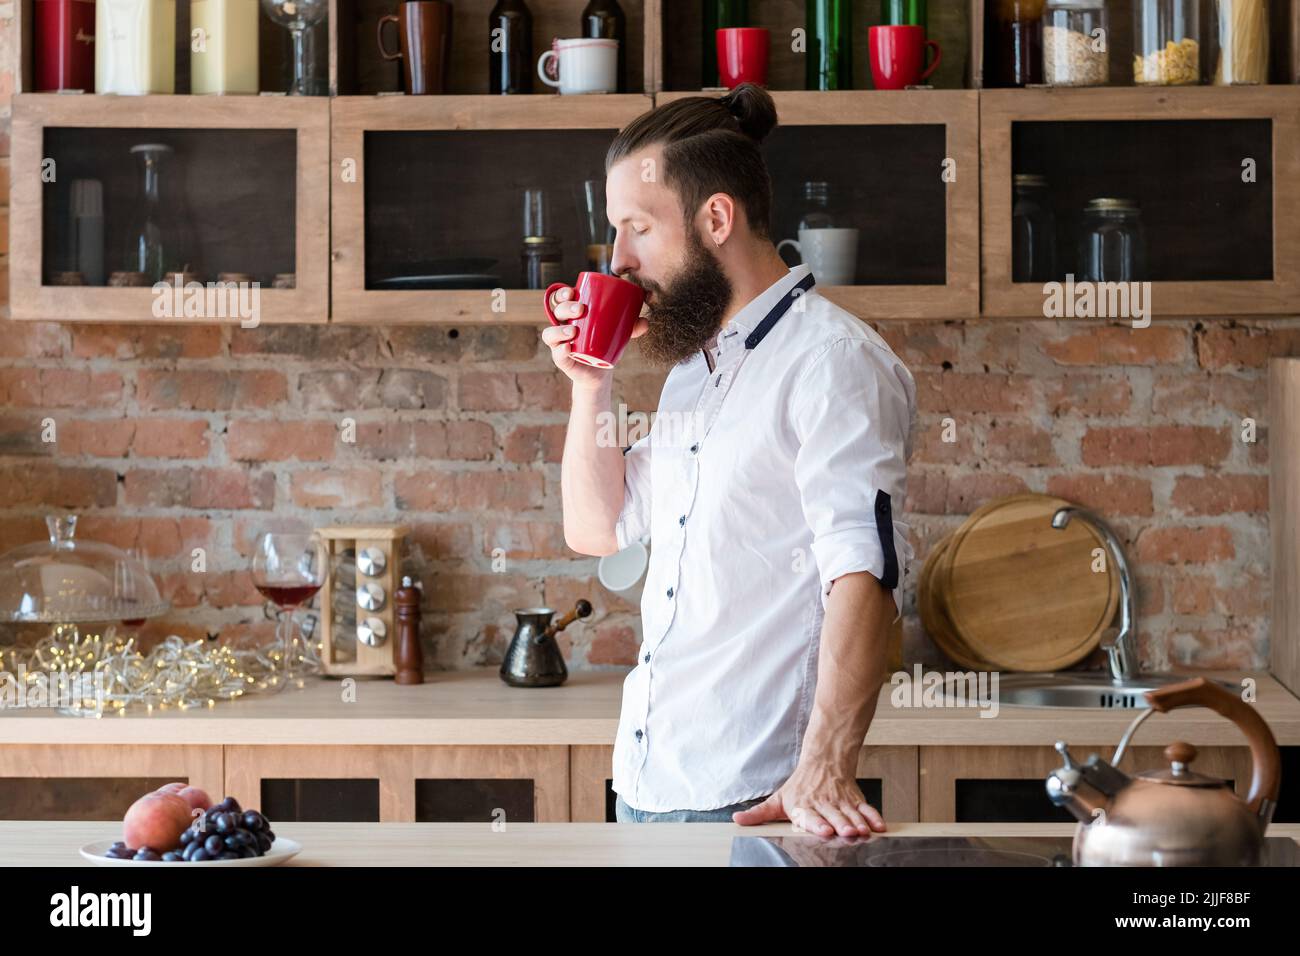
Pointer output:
x,y
64,43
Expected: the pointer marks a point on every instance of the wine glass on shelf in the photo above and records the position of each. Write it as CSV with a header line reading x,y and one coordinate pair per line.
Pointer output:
x,y
289,567
298,17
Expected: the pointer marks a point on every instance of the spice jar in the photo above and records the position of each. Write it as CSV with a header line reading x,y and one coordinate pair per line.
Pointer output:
x,y
543,261
1013,53
1033,230
1166,42
1239,42
1112,243
1075,43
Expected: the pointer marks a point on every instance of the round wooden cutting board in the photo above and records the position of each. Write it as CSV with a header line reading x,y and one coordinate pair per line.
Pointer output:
x,y
933,617
1021,595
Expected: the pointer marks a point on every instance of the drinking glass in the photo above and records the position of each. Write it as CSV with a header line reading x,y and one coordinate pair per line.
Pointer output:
x,y
288,569
298,17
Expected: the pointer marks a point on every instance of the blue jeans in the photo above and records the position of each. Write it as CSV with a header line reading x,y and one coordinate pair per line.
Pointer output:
x,y
625,814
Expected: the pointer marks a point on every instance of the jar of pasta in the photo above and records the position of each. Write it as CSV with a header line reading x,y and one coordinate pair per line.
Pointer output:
x,y
1166,42
1238,42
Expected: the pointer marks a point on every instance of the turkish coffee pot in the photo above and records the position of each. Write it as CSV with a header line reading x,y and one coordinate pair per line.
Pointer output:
x,y
534,658
1172,816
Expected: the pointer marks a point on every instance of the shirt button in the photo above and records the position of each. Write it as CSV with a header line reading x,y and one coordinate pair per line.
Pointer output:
x,y
647,658
670,592
639,735
682,520
695,448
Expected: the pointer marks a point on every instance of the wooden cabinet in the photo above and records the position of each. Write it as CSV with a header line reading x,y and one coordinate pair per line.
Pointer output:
x,y
402,784
421,183
901,168
887,776
244,191
1215,173
78,782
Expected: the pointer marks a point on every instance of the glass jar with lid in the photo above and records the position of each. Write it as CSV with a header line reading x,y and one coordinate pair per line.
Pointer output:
x,y
1237,50
1166,42
1112,242
1033,230
1076,43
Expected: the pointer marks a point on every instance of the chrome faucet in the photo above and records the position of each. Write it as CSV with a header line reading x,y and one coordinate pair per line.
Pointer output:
x,y
1121,650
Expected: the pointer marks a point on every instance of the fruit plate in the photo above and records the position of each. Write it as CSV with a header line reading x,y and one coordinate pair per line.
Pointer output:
x,y
282,850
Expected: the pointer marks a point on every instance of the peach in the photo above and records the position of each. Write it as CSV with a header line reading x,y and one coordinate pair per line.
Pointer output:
x,y
196,798
171,788
156,820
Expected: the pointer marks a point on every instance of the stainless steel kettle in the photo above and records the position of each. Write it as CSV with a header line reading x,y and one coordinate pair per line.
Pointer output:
x,y
1172,816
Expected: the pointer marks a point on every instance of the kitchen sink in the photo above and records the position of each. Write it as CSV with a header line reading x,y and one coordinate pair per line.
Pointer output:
x,y
1081,690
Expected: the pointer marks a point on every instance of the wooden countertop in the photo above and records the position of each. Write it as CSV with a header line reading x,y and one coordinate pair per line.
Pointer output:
x,y
475,707
43,843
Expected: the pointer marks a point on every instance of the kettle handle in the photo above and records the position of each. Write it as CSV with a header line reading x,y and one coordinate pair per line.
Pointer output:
x,y
1266,770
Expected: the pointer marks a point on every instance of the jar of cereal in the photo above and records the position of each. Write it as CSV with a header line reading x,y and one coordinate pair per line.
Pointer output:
x,y
1075,43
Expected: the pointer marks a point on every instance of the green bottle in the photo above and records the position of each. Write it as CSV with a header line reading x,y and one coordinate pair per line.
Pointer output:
x,y
902,13
830,45
717,15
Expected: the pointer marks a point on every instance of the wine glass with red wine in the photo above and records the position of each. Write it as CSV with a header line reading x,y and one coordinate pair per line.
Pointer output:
x,y
289,567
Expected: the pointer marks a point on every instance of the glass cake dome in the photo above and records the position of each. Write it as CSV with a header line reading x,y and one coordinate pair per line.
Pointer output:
x,y
63,580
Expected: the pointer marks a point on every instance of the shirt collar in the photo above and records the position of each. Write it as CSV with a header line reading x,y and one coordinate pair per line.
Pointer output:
x,y
747,319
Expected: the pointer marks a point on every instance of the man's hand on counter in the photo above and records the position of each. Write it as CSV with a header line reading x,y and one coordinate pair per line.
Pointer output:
x,y
818,799
822,795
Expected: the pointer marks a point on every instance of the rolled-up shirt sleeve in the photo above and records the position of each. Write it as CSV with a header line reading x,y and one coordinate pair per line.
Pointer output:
x,y
634,519
853,409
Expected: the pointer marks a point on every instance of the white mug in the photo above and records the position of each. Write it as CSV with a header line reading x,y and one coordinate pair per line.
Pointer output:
x,y
831,254
623,569
584,65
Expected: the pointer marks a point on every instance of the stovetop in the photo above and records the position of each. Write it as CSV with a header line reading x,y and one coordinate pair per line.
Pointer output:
x,y
810,850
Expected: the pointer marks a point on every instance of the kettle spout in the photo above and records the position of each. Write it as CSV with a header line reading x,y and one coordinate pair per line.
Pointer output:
x,y
1084,791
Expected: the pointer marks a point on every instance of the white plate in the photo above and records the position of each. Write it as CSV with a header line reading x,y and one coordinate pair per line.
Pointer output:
x,y
281,851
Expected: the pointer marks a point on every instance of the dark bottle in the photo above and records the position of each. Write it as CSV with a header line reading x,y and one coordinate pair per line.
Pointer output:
x,y
829,55
1013,43
718,14
510,47
604,19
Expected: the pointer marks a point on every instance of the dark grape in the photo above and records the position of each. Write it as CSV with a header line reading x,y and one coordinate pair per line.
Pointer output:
x,y
147,855
199,855
188,836
225,823
119,843
253,820
214,844
264,843
171,856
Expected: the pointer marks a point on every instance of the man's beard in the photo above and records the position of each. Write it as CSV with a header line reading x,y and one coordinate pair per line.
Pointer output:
x,y
685,315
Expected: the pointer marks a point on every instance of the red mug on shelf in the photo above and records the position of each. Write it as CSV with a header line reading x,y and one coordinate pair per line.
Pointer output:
x,y
898,56
742,55
612,307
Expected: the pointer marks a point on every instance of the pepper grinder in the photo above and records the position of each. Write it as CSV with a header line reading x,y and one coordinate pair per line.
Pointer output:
x,y
410,659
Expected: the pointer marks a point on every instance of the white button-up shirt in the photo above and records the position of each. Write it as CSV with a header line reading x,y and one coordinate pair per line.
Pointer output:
x,y
760,482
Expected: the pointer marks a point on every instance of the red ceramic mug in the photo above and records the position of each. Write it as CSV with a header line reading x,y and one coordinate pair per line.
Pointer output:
x,y
612,307
742,55
898,56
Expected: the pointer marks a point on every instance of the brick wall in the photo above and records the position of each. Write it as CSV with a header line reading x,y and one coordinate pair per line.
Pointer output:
x,y
171,438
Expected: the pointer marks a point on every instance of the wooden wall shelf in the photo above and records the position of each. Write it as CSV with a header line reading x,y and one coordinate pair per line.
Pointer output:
x,y
945,255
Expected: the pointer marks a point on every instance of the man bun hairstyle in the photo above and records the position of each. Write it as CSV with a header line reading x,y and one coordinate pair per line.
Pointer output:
x,y
710,145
